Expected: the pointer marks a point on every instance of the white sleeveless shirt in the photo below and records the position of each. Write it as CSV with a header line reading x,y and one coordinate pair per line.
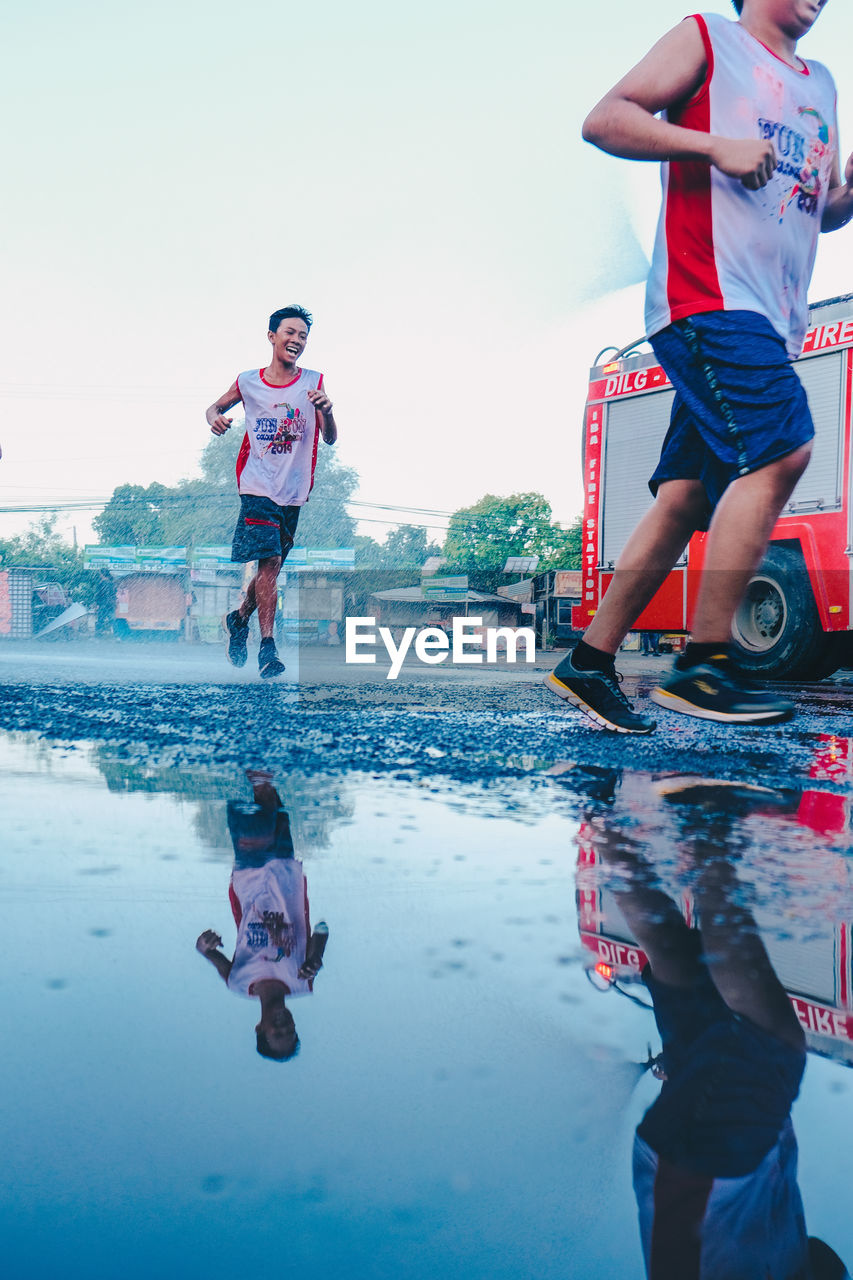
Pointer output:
x,y
270,906
720,247
279,450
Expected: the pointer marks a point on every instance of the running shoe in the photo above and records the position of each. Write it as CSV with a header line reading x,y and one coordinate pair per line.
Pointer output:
x,y
238,634
710,692
269,664
597,695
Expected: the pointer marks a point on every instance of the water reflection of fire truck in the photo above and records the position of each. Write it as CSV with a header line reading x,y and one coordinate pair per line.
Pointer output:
x,y
796,619
811,955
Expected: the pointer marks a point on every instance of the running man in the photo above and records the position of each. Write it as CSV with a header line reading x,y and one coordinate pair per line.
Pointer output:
x,y
276,955
715,1155
287,409
748,128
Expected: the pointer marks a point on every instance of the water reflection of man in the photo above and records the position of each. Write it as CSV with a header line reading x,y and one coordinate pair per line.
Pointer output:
x,y
715,1156
276,954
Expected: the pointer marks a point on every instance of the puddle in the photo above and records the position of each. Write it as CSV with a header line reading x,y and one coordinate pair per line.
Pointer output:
x,y
471,1067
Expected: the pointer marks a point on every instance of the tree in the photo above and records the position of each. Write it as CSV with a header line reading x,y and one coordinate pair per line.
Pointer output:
x,y
40,547
134,516
368,552
218,461
572,546
325,521
407,545
202,511
481,537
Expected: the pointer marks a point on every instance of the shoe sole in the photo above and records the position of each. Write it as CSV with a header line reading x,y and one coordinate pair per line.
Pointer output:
x,y
556,686
271,670
240,660
672,702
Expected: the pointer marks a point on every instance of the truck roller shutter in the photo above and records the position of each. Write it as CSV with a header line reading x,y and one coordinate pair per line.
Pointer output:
x,y
820,485
806,966
635,430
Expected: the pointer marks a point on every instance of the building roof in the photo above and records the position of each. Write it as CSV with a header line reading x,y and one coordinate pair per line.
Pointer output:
x,y
415,595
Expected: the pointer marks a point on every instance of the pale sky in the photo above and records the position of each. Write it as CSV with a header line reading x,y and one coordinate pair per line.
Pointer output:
x,y
414,176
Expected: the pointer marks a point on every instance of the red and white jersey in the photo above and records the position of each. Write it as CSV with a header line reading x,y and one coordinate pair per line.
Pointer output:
x,y
270,906
720,247
279,450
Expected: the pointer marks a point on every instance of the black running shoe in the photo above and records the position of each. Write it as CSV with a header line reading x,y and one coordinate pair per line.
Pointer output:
x,y
238,634
598,695
269,664
710,692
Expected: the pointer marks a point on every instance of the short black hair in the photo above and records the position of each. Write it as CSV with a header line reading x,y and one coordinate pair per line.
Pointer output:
x,y
266,1051
738,4
285,313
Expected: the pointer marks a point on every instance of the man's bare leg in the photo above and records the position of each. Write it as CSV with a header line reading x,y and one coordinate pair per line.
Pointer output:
x,y
737,960
737,541
586,677
705,681
655,922
262,594
734,953
652,550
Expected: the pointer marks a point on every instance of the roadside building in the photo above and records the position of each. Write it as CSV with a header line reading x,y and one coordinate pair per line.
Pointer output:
x,y
554,594
428,605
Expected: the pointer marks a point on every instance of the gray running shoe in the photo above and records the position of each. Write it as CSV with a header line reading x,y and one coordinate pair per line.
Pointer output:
x,y
710,692
598,696
269,664
238,634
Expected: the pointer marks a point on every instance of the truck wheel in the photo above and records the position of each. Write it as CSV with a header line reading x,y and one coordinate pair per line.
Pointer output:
x,y
776,629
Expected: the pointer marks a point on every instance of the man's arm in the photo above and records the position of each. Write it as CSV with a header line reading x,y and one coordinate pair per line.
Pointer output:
x,y
323,405
207,943
839,205
624,123
313,962
215,419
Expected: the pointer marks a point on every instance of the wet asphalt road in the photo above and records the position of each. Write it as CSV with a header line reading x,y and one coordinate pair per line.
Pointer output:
x,y
176,705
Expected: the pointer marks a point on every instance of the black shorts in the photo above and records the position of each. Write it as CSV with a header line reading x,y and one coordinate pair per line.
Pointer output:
x,y
739,404
258,834
730,1085
264,529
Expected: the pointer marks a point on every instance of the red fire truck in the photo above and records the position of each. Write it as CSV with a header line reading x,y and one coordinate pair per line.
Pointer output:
x,y
810,946
795,621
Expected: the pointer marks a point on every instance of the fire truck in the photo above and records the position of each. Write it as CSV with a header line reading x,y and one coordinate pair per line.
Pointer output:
x,y
812,955
795,620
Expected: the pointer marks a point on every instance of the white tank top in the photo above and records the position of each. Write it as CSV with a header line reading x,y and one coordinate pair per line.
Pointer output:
x,y
279,450
720,247
271,910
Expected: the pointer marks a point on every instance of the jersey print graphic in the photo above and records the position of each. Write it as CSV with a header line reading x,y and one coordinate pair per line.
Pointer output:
x,y
288,430
804,157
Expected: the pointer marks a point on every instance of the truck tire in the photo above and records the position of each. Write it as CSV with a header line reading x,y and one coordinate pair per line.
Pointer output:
x,y
776,629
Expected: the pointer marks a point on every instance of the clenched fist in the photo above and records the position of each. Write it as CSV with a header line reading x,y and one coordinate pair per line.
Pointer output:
x,y
208,941
754,163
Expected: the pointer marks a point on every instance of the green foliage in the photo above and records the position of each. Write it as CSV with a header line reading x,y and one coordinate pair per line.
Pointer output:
x,y
203,511
324,521
481,537
133,515
218,461
368,552
406,547
40,547
568,548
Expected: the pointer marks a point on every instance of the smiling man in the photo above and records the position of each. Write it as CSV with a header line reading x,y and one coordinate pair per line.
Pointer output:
x,y
748,141
287,410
